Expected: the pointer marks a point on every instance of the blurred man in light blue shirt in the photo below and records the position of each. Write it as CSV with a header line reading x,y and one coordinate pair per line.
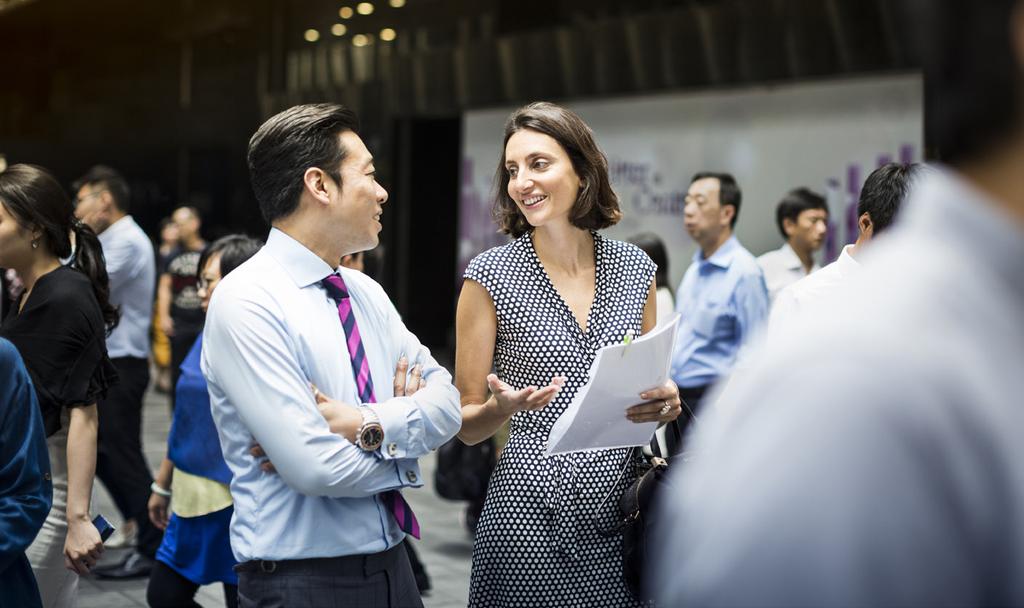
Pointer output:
x,y
279,339
102,201
722,298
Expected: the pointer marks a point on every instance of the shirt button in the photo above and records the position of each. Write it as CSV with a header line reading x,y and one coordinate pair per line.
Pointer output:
x,y
46,476
411,476
392,449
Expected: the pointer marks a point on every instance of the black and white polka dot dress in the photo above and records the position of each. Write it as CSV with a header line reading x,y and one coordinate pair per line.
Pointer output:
x,y
536,542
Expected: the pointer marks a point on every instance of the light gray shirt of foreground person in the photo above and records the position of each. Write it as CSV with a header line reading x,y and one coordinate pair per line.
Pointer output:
x,y
876,456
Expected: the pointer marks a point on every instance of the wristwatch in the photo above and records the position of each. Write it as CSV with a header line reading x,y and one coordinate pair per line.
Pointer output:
x,y
371,434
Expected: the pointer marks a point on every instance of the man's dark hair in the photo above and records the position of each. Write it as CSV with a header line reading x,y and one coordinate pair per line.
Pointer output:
x,y
105,178
793,204
653,246
233,249
884,192
973,84
728,191
288,144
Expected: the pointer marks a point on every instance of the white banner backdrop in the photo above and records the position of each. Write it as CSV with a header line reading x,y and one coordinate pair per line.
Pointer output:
x,y
826,136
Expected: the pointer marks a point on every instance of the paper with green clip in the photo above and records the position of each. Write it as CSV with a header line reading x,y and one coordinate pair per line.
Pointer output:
x,y
596,417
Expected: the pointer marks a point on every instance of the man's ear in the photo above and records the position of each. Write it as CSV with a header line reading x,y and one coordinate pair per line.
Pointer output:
x,y
315,183
728,212
787,226
108,200
864,225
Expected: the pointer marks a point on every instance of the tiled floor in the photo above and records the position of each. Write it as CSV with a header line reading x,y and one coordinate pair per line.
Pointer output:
x,y
445,547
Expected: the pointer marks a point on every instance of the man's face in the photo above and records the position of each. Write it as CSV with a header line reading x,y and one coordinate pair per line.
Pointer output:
x,y
93,206
358,208
808,232
187,223
704,216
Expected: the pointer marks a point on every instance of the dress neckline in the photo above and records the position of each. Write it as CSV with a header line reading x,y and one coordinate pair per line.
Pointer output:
x,y
562,304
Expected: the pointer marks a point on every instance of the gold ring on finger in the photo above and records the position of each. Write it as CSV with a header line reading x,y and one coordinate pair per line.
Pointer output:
x,y
665,408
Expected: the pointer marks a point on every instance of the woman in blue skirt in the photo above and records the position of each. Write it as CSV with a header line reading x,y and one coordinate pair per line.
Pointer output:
x,y
196,548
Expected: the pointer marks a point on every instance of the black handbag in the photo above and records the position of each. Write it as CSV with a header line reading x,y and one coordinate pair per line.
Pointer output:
x,y
463,471
637,515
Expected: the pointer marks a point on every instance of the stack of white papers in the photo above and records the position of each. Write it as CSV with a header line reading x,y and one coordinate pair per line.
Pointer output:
x,y
596,418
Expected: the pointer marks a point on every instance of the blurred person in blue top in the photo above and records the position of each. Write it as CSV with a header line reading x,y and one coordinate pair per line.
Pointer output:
x,y
722,298
25,488
196,548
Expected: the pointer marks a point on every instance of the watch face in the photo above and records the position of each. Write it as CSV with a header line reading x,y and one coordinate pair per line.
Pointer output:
x,y
371,437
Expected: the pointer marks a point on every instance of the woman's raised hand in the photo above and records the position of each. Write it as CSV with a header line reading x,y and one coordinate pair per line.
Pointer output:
x,y
509,400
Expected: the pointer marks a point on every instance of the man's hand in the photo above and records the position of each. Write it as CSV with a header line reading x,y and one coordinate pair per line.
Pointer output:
x,y
408,382
344,419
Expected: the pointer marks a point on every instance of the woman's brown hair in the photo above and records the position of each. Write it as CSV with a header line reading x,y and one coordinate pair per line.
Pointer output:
x,y
596,206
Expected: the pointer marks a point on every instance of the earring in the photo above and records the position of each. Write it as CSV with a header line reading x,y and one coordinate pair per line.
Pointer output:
x,y
35,243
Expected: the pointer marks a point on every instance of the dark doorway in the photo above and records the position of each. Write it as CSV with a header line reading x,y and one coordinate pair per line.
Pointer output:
x,y
421,247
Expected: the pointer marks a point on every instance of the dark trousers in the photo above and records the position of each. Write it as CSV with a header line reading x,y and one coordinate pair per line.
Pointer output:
x,y
692,398
181,343
381,580
168,589
120,464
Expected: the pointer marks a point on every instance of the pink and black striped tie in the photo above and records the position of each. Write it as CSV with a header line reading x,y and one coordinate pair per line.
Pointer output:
x,y
338,292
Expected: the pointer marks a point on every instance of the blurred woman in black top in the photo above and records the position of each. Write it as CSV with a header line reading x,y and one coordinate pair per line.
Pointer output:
x,y
59,325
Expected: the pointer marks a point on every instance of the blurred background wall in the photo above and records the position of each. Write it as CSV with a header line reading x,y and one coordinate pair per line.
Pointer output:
x,y
169,93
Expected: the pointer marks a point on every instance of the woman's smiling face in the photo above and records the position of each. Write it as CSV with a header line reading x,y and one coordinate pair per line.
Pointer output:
x,y
541,178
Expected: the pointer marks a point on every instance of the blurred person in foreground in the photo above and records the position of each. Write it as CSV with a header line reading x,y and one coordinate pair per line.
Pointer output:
x,y
881,198
654,247
59,326
802,219
178,304
289,327
531,317
196,549
102,202
25,488
722,297
874,458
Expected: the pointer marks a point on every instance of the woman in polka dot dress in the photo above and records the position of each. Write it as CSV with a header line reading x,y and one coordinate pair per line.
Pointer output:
x,y
538,310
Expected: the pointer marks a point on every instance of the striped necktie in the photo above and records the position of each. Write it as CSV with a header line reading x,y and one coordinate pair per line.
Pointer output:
x,y
338,292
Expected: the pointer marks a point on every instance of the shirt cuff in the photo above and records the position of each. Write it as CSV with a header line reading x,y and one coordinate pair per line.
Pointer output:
x,y
394,421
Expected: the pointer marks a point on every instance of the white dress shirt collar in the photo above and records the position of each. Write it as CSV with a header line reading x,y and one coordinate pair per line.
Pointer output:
x,y
298,261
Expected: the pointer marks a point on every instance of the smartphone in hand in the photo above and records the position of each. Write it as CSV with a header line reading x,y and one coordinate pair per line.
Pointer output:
x,y
104,527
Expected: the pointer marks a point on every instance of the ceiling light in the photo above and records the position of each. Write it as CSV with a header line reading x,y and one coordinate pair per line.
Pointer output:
x,y
364,8
360,40
339,29
345,12
387,34
312,35
396,3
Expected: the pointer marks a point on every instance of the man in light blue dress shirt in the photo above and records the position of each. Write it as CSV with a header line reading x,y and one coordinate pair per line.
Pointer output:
x,y
102,202
722,298
320,530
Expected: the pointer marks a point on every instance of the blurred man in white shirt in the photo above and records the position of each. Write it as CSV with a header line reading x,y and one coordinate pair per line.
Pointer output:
x,y
802,218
